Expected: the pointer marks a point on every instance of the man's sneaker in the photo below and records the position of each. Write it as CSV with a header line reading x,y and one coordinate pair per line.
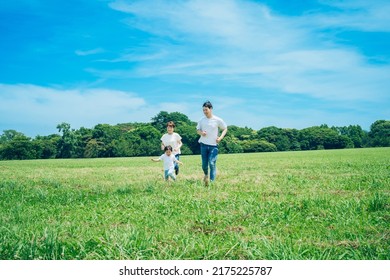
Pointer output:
x,y
176,171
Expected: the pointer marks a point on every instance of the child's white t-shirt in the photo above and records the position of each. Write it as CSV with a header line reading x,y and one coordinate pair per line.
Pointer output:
x,y
168,161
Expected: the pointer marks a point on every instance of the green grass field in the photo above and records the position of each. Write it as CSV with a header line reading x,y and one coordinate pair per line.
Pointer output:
x,y
288,205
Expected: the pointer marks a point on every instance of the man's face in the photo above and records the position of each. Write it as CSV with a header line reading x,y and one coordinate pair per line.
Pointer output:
x,y
207,112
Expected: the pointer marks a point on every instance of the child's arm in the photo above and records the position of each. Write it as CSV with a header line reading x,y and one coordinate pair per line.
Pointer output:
x,y
179,162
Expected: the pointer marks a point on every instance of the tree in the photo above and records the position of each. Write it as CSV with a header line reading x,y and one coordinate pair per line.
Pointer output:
x,y
189,139
47,146
144,141
256,145
67,143
322,137
379,135
160,120
104,135
355,133
240,133
8,135
122,146
83,136
276,136
20,147
93,148
230,145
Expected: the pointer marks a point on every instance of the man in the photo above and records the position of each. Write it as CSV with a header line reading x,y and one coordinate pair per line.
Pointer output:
x,y
208,128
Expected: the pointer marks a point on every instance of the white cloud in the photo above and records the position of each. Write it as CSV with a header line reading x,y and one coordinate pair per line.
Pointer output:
x,y
357,15
36,110
26,104
246,43
89,52
232,46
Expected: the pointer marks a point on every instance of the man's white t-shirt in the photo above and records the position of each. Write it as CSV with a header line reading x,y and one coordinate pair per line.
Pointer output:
x,y
173,141
168,161
210,125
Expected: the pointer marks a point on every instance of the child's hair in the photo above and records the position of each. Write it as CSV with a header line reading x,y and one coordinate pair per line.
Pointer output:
x,y
171,123
208,104
166,148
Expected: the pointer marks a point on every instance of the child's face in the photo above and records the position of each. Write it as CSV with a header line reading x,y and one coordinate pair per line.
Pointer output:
x,y
168,152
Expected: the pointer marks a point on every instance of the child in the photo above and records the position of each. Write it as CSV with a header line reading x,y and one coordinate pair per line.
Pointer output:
x,y
172,139
169,163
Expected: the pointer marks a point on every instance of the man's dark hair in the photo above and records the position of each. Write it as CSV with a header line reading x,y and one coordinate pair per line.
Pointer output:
x,y
208,104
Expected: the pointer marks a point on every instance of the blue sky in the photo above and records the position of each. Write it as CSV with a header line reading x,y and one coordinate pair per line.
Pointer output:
x,y
290,64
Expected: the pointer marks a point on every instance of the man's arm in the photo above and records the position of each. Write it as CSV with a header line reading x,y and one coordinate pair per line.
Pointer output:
x,y
201,132
219,139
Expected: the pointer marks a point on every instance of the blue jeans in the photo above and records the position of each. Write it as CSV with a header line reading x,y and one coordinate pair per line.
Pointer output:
x,y
169,173
177,156
209,158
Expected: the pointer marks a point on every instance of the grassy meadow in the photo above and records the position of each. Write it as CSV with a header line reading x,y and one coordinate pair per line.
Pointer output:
x,y
288,205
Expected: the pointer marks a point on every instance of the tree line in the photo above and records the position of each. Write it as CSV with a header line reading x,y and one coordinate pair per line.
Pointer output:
x,y
143,139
